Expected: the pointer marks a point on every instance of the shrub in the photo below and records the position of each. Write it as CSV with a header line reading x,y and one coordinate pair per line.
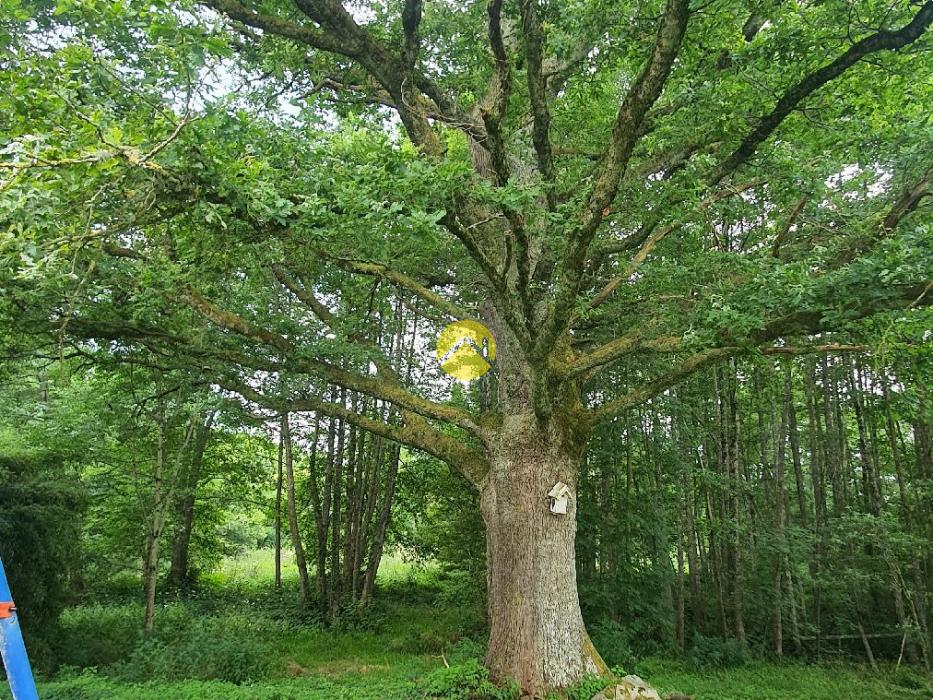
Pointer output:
x,y
612,642
353,617
97,635
587,687
466,681
464,650
715,652
41,506
214,649
912,679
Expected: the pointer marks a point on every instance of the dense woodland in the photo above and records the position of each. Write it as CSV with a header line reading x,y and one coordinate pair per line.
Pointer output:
x,y
699,233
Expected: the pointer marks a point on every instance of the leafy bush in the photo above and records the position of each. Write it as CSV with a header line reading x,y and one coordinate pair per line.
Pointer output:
x,y
98,635
466,681
41,505
715,652
464,650
352,617
912,679
612,642
464,591
586,688
214,649
228,648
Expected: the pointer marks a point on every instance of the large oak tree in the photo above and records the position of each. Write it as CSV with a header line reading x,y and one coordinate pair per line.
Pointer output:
x,y
624,192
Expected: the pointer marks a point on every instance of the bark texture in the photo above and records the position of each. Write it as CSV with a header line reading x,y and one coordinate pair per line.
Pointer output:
x,y
537,636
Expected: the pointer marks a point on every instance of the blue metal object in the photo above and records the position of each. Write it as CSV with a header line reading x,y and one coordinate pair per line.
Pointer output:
x,y
12,648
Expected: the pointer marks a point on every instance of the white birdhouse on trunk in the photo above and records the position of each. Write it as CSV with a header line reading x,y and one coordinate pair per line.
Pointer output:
x,y
557,498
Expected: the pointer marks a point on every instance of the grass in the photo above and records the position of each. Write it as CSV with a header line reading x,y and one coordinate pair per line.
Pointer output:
x,y
237,640
769,681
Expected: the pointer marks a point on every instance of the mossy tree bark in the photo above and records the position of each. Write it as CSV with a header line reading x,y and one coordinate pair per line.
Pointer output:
x,y
537,636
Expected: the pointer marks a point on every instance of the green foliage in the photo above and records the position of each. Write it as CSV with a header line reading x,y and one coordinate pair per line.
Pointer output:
x,y
41,504
269,658
714,652
96,636
184,645
467,681
763,681
151,150
586,688
225,649
613,642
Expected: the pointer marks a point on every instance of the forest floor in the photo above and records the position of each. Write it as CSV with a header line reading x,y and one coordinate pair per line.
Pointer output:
x,y
236,639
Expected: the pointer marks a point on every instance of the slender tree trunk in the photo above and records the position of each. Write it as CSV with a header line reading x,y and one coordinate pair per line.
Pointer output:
x,y
353,477
731,470
382,525
792,604
334,592
679,613
179,573
870,489
777,629
693,564
162,491
892,433
151,571
818,459
304,581
314,494
277,517
794,436
153,532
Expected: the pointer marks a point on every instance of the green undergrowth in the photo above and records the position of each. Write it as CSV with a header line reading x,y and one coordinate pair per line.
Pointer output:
x,y
415,679
236,639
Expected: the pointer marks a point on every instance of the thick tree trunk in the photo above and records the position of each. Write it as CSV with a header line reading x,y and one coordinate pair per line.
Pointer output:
x,y
537,636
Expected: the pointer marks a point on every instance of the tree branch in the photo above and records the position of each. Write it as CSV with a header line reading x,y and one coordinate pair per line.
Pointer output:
x,y
660,384
538,95
420,436
374,269
791,98
380,388
656,237
642,95
281,27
